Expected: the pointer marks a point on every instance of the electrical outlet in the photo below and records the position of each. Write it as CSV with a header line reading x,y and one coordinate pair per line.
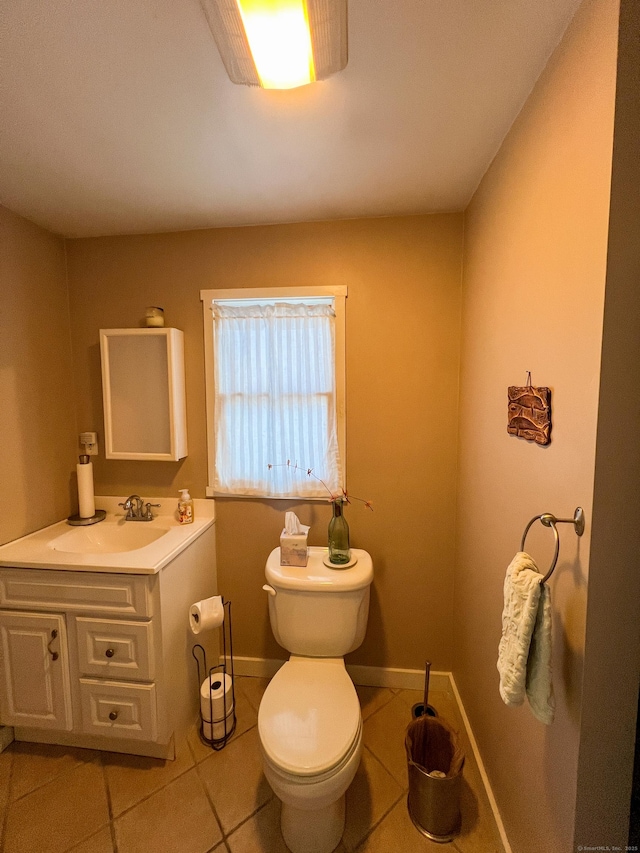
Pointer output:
x,y
89,441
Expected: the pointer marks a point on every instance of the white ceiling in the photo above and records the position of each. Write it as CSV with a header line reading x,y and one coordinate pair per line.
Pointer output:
x,y
117,117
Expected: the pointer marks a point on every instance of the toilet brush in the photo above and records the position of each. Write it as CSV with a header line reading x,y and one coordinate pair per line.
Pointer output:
x,y
422,708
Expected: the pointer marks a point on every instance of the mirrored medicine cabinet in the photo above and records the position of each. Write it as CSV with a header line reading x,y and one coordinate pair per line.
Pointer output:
x,y
143,391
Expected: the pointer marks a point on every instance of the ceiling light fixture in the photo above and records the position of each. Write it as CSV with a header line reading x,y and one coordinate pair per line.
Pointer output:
x,y
279,44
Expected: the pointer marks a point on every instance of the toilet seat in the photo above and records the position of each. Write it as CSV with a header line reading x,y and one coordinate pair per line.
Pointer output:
x,y
309,719
286,777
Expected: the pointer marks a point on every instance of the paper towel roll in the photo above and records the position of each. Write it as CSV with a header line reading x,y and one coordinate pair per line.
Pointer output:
x,y
206,614
87,506
219,687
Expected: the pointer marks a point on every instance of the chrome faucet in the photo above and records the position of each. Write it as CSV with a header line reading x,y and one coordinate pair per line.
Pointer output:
x,y
136,509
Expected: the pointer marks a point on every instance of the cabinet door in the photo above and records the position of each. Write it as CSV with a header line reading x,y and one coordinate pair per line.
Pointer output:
x,y
143,394
34,671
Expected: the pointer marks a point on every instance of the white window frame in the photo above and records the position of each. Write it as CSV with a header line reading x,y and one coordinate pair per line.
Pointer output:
x,y
291,294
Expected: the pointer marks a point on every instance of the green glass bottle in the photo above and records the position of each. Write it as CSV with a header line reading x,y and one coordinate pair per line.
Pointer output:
x,y
339,551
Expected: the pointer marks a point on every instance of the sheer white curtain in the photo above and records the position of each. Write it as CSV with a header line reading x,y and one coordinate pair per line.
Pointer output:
x,y
275,399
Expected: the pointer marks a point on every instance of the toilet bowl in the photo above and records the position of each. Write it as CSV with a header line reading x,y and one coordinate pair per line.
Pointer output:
x,y
310,729
309,720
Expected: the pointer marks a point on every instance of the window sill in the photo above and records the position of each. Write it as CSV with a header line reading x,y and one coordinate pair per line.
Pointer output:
x,y
306,498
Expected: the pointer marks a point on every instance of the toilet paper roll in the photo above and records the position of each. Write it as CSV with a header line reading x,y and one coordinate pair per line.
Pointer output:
x,y
216,702
86,502
217,731
206,614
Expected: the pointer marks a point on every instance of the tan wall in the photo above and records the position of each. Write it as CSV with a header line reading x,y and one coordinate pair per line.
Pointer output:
x,y
533,294
403,319
37,406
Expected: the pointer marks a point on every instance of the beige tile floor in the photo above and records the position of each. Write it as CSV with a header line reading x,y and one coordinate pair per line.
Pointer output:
x,y
62,800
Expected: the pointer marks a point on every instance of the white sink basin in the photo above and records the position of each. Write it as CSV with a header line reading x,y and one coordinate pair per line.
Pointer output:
x,y
112,545
107,538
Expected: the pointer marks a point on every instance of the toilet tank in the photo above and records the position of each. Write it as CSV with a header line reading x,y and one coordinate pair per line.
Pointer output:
x,y
319,611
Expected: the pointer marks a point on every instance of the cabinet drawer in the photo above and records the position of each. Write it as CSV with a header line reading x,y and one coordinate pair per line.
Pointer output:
x,y
114,709
128,595
113,649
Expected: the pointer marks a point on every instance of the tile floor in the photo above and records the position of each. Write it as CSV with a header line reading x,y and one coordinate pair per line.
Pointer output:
x,y
62,800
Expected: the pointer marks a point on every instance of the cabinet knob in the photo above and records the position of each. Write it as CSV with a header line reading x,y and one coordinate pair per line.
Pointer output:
x,y
110,653
113,715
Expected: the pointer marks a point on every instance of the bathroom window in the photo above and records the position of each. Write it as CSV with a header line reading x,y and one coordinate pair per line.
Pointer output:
x,y
274,361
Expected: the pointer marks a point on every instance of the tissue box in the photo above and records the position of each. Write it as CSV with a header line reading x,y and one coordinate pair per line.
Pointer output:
x,y
293,549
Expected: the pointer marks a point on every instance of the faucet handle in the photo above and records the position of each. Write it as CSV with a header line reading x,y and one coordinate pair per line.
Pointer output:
x,y
128,505
129,508
149,513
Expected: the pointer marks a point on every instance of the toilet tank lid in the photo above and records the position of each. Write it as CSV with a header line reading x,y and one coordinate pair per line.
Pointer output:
x,y
316,576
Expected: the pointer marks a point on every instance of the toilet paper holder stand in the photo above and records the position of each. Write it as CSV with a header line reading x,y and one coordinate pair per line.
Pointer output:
x,y
217,672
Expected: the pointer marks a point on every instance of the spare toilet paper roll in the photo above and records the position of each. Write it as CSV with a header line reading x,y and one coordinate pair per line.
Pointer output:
x,y
86,502
220,704
206,614
217,731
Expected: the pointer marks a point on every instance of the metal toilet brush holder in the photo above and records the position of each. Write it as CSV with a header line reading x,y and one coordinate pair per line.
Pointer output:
x,y
434,764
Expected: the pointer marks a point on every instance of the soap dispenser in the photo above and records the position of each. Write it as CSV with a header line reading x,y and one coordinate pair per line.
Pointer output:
x,y
185,507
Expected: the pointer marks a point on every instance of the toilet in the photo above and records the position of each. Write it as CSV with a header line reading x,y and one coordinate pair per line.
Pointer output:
x,y
309,720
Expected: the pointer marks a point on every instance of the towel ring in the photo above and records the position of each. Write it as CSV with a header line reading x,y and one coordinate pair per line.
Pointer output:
x,y
550,520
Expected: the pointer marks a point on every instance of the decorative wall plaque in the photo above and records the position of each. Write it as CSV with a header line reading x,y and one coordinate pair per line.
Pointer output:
x,y
529,413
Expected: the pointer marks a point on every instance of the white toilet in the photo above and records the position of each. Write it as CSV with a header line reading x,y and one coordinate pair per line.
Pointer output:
x,y
309,720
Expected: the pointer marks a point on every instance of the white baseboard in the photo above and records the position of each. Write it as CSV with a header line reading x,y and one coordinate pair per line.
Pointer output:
x,y
365,676
393,678
256,667
481,767
6,737
398,679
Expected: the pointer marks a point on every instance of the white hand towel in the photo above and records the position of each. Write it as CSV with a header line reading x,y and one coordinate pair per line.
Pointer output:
x,y
524,654
539,681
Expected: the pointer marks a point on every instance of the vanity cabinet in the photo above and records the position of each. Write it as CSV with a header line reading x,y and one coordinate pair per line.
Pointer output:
x,y
101,659
143,392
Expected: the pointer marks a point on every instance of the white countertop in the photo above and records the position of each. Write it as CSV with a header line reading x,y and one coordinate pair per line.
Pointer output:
x,y
35,552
